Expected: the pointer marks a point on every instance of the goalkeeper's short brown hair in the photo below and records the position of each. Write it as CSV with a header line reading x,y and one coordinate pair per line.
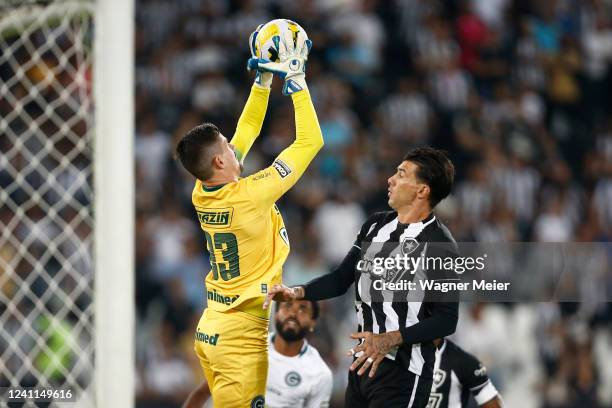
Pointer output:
x,y
197,149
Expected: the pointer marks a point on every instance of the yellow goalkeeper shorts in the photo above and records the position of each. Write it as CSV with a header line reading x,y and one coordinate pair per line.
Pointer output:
x,y
233,351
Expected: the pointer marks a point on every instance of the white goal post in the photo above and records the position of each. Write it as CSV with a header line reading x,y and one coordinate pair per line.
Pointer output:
x,y
114,203
67,198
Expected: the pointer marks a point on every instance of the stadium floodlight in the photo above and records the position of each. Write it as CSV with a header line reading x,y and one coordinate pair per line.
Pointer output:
x,y
67,198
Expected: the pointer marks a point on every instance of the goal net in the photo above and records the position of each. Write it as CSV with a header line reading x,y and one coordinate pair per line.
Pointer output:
x,y
47,205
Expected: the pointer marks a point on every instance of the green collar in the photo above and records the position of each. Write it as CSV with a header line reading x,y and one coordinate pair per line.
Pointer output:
x,y
213,188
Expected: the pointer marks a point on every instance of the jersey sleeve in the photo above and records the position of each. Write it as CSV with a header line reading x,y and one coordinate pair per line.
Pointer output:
x,y
320,393
251,120
484,394
269,184
472,374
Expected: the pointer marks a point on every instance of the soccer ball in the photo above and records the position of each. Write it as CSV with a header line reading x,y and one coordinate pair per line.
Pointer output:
x,y
267,40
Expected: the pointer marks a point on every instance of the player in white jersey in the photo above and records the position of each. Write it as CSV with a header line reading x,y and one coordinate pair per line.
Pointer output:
x,y
297,375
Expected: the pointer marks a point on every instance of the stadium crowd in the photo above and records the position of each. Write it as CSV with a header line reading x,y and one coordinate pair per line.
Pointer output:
x,y
518,92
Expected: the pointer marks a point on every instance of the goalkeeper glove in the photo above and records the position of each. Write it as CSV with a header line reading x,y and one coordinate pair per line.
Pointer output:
x,y
292,65
263,79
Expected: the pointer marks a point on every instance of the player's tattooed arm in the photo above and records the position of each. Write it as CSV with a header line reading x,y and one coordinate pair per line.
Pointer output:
x,y
373,349
282,293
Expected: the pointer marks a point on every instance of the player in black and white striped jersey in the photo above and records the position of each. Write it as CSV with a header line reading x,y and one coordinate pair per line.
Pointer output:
x,y
459,375
396,331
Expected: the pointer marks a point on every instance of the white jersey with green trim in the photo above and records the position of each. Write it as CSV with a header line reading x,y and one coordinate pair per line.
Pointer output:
x,y
299,381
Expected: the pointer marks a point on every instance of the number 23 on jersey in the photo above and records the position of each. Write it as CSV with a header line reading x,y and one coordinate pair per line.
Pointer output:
x,y
228,267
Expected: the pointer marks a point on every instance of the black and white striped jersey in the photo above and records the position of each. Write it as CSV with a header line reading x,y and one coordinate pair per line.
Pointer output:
x,y
414,314
384,236
457,375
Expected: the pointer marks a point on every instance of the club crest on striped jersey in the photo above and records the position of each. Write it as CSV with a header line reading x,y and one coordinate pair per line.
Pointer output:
x,y
438,378
409,245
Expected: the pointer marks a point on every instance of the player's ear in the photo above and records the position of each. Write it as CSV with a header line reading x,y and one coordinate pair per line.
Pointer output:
x,y
218,162
424,191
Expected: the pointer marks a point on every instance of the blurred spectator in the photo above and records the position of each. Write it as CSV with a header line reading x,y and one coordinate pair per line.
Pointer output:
x,y
166,376
492,12
552,225
169,232
338,125
360,20
152,152
519,183
481,330
597,49
450,87
491,65
300,269
471,34
602,198
475,194
435,46
212,92
352,62
406,115
334,244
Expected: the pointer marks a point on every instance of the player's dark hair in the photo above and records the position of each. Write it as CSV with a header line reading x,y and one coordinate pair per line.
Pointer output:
x,y
435,169
196,150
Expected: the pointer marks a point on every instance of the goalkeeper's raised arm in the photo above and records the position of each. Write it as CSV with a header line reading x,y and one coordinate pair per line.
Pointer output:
x,y
254,112
250,122
270,184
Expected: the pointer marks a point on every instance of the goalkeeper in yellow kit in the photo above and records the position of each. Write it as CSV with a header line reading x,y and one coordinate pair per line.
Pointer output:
x,y
244,230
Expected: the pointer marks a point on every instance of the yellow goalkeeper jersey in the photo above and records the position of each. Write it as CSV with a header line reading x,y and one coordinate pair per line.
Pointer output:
x,y
245,232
